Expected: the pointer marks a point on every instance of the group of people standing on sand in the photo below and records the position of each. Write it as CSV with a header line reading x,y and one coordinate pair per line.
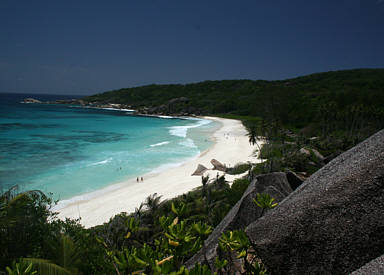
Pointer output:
x,y
141,179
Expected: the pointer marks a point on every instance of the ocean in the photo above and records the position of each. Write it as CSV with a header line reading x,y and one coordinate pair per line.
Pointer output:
x,y
71,151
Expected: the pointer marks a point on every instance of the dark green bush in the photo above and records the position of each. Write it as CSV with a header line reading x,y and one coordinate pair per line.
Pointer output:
x,y
239,168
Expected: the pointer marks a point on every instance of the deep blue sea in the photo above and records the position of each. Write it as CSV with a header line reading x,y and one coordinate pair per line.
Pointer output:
x,y
70,151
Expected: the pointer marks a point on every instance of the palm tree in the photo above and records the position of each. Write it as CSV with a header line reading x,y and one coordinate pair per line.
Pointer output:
x,y
23,223
21,268
152,202
204,181
253,134
139,211
64,258
47,267
65,253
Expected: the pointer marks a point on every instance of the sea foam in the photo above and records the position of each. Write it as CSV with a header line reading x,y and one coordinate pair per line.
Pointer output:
x,y
100,162
188,143
181,131
159,144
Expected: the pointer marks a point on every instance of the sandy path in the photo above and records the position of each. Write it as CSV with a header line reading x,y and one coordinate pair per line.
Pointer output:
x,y
231,147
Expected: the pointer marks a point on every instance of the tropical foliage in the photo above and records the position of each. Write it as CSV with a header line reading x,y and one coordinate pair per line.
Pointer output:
x,y
157,238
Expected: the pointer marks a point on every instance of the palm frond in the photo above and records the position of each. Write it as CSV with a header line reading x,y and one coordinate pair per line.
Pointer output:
x,y
46,267
65,252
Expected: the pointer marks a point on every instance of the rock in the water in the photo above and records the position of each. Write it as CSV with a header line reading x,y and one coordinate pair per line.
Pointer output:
x,y
245,211
334,222
217,165
374,267
31,100
199,170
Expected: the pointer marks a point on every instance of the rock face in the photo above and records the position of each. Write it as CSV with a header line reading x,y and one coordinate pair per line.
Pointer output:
x,y
334,222
245,211
374,267
294,180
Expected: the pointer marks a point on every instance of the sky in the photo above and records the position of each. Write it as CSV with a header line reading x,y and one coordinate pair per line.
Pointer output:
x,y
87,47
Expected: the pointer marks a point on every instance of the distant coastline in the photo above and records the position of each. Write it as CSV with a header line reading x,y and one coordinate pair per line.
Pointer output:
x,y
108,106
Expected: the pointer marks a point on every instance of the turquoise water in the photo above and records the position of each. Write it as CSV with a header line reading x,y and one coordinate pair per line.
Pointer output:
x,y
70,151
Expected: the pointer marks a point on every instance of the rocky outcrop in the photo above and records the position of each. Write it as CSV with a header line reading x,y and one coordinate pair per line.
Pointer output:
x,y
245,211
374,267
308,152
332,156
334,222
217,165
199,170
31,100
179,106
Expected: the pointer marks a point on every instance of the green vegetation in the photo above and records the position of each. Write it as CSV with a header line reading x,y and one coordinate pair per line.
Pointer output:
x,y
304,122
239,168
339,108
234,246
157,238
264,201
350,100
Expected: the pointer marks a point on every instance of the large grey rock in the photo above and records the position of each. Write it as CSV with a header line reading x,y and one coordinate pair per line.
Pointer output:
x,y
334,222
374,267
294,180
217,165
308,152
199,170
245,211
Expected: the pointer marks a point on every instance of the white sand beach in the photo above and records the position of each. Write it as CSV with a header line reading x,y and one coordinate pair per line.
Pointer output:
x,y
231,146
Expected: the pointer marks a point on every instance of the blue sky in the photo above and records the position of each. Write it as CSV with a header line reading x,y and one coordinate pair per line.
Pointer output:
x,y
85,47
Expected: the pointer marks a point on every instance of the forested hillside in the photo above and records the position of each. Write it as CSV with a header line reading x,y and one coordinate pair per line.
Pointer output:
x,y
350,96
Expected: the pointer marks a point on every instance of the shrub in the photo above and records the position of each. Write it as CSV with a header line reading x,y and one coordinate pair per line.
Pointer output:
x,y
239,169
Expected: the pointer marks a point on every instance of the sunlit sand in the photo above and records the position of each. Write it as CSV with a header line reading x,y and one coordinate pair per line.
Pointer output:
x,y
231,146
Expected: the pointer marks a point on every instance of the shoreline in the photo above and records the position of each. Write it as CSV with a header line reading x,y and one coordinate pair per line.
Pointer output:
x,y
230,147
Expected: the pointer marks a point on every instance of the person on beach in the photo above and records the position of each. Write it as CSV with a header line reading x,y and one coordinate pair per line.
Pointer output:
x,y
137,179
142,179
